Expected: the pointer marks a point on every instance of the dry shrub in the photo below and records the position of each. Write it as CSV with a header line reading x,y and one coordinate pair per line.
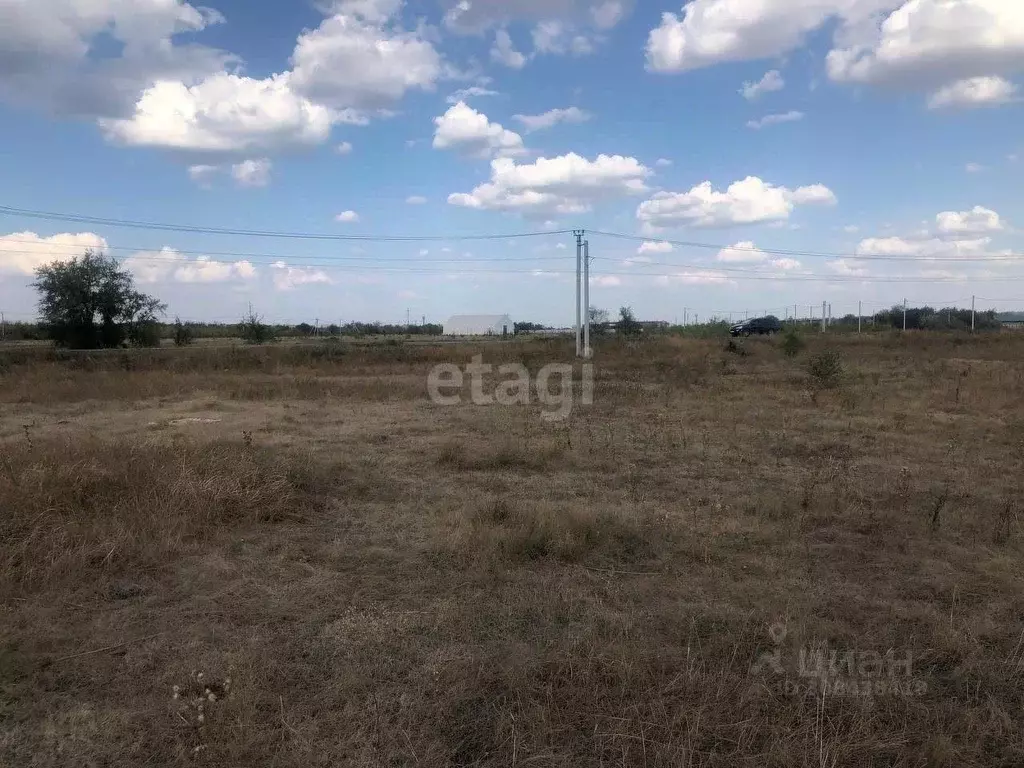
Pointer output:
x,y
826,369
506,455
93,506
536,531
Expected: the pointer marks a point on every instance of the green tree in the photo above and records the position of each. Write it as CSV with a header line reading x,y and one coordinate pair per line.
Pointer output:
x,y
253,330
183,335
628,324
91,303
599,321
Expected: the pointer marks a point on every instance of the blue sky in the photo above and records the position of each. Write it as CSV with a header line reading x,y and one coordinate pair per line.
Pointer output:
x,y
840,150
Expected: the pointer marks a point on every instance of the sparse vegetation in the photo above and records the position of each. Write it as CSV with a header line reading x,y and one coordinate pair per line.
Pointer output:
x,y
628,324
734,347
826,369
253,330
359,577
792,344
183,335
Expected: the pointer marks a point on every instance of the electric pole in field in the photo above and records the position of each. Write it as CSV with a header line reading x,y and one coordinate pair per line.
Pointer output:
x,y
904,314
860,310
587,351
823,317
578,233
972,314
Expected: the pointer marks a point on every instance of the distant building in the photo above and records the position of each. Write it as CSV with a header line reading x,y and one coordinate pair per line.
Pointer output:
x,y
479,325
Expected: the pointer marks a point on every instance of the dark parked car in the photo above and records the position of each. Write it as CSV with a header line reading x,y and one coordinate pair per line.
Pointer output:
x,y
757,325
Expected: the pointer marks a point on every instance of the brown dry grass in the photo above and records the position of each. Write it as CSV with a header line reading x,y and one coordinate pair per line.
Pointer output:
x,y
389,582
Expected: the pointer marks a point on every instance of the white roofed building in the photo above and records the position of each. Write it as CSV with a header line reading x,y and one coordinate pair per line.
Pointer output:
x,y
479,325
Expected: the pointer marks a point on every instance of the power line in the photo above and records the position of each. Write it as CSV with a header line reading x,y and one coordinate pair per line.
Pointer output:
x,y
707,275
44,248
812,254
127,223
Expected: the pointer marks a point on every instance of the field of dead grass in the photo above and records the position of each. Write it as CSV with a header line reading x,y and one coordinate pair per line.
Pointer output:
x,y
290,557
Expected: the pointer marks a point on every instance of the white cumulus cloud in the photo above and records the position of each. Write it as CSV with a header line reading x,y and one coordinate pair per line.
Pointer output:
x,y
224,112
750,201
252,172
48,51
360,58
504,51
786,117
567,184
474,16
607,14
169,265
933,40
347,217
898,43
654,246
287,277
551,118
973,92
465,129
715,31
24,252
474,91
978,220
772,81
742,252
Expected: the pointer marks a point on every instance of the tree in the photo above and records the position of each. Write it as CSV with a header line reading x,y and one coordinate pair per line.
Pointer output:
x,y
91,303
628,324
253,330
182,333
599,321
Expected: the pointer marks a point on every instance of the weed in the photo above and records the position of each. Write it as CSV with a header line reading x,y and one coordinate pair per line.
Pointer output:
x,y
826,370
736,348
792,343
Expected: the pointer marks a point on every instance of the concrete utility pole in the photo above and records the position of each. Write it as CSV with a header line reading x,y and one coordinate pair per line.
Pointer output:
x,y
904,314
684,316
972,314
859,313
587,352
823,317
579,277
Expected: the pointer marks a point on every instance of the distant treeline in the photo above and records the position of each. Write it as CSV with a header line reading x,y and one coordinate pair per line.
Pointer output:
x,y
37,332
918,318
926,319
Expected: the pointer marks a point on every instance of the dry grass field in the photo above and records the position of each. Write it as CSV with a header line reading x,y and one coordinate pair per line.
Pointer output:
x,y
289,556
